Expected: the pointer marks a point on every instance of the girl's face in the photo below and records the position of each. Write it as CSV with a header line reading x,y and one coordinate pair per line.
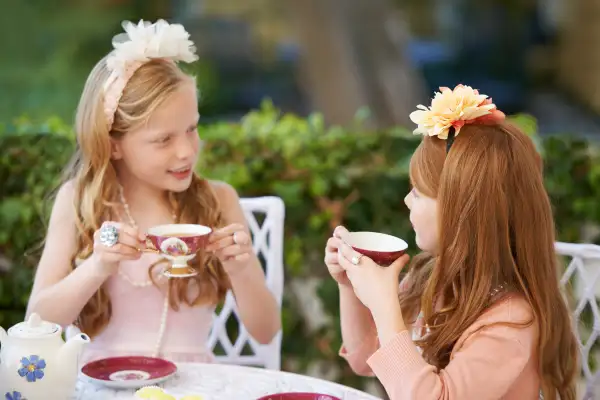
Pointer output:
x,y
162,154
423,217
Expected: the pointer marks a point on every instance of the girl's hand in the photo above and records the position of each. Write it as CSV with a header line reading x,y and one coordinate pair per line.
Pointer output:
x,y
126,244
375,286
331,257
232,246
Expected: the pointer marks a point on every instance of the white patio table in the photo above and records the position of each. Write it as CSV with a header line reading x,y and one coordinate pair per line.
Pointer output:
x,y
227,382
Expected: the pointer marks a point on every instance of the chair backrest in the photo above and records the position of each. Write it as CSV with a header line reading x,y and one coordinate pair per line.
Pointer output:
x,y
583,272
268,245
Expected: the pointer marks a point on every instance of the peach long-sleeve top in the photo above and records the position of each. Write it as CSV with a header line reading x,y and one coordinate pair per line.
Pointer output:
x,y
489,361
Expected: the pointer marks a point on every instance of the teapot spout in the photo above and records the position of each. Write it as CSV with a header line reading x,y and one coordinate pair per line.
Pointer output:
x,y
71,349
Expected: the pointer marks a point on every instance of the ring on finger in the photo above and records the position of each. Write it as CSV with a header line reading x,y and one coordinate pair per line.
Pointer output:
x,y
109,235
355,260
235,238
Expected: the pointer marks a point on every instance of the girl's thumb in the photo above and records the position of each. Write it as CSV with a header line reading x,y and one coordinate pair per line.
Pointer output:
x,y
400,263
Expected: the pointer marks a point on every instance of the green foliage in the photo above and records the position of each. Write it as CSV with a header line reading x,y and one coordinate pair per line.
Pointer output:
x,y
41,69
326,176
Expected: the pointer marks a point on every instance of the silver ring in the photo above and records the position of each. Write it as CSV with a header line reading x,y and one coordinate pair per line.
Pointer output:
x,y
356,260
235,240
109,235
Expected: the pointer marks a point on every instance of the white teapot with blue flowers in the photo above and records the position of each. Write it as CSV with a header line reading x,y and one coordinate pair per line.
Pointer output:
x,y
35,362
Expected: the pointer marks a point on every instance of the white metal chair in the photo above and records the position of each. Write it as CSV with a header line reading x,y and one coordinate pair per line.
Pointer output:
x,y
268,243
584,267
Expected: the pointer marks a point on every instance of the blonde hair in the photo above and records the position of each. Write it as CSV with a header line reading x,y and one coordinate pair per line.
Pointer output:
x,y
96,186
495,226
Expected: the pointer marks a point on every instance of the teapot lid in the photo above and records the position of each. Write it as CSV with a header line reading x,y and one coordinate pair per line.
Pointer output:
x,y
33,328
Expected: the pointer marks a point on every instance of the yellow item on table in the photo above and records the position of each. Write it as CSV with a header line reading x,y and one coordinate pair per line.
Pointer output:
x,y
149,393
164,396
157,393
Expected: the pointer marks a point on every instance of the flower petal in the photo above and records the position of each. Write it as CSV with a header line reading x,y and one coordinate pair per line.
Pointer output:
x,y
23,371
30,376
41,364
33,359
418,116
38,373
25,361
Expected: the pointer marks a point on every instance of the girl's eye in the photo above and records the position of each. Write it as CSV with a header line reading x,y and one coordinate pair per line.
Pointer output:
x,y
192,129
163,140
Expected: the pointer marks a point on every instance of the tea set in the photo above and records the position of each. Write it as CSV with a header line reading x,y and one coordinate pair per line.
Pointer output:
x,y
37,364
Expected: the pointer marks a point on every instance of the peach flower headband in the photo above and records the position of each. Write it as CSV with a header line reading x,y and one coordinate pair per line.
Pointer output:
x,y
451,110
139,44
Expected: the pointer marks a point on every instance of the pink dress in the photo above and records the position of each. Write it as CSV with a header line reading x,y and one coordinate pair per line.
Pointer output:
x,y
137,314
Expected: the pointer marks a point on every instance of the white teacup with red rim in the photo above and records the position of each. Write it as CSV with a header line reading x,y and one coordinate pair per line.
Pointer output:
x,y
179,243
382,248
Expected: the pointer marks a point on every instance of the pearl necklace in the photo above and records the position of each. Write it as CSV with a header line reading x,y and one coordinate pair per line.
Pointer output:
x,y
165,311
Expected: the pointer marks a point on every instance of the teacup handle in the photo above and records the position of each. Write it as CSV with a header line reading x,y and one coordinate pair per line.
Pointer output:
x,y
150,247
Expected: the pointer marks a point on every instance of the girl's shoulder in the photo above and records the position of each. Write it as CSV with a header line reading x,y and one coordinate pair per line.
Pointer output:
x,y
225,194
66,190
511,308
64,199
223,190
228,201
509,317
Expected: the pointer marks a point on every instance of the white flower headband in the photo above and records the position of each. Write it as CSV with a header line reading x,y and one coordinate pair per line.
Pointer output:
x,y
451,110
139,44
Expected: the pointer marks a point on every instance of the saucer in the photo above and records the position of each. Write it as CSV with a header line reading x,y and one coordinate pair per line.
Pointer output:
x,y
299,396
128,372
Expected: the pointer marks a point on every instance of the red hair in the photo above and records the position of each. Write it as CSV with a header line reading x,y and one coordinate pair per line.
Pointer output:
x,y
495,226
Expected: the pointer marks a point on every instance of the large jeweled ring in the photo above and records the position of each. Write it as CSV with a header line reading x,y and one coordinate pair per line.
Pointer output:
x,y
355,260
109,235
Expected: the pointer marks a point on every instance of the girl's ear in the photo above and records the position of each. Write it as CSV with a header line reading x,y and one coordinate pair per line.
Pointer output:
x,y
116,152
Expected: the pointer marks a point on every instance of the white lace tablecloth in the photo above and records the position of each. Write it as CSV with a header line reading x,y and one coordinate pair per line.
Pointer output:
x,y
227,382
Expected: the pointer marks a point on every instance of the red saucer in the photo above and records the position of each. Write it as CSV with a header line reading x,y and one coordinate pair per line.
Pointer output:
x,y
129,372
299,396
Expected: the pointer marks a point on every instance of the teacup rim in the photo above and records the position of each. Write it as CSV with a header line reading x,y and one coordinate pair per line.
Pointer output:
x,y
403,242
166,229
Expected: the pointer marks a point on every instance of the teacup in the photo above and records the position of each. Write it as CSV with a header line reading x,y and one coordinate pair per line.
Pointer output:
x,y
299,396
382,248
179,243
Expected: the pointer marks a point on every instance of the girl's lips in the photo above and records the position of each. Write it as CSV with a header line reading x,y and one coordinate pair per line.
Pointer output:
x,y
181,174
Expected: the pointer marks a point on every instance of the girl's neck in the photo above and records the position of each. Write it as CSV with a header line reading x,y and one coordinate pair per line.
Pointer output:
x,y
148,205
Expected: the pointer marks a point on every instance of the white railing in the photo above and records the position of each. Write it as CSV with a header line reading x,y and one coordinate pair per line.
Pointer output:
x,y
582,277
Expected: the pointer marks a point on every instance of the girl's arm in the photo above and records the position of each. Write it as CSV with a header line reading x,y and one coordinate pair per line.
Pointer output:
x,y
256,305
359,334
59,294
485,363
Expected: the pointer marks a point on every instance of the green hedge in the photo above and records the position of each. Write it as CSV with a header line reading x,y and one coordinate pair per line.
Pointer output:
x,y
325,175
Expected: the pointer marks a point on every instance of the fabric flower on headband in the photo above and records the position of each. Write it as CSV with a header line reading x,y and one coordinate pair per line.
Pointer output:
x,y
139,44
454,109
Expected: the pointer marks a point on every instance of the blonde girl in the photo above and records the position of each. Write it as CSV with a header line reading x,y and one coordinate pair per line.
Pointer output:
x,y
137,146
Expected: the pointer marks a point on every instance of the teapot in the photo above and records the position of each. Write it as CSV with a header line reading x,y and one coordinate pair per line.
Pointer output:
x,y
35,362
